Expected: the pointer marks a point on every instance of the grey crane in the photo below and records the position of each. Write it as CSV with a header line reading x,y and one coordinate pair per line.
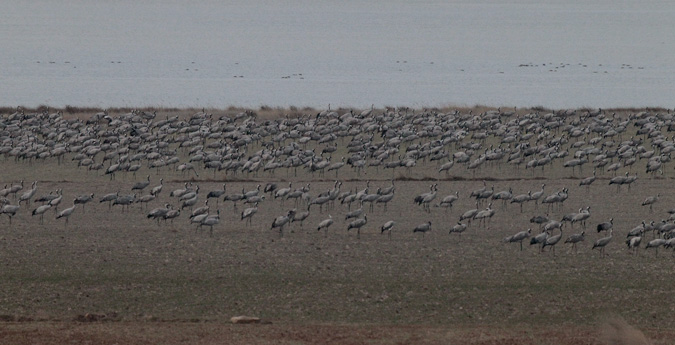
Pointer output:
x,y
124,200
552,241
109,198
358,224
423,228
249,213
385,199
282,192
201,210
633,243
387,227
603,242
56,201
300,217
574,239
354,214
236,197
458,228
325,224
605,226
519,237
217,193
83,199
521,199
582,216
10,211
141,185
40,210
469,214
157,189
198,220
189,194
655,243
651,201
280,221
66,213
449,200
159,213
28,194
145,199
537,195
189,202
539,220
539,239
588,181
210,221
171,215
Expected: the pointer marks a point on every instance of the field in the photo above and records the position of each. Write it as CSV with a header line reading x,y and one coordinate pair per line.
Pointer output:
x,y
115,276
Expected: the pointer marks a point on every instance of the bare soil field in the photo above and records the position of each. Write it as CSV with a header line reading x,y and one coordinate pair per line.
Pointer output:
x,y
112,275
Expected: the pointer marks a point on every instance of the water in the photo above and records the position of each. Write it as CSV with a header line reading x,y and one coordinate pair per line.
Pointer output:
x,y
556,54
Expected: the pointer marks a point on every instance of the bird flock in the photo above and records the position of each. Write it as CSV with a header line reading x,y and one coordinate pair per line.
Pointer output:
x,y
284,159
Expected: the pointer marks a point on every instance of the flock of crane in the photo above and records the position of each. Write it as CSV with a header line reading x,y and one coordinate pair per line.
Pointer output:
x,y
370,143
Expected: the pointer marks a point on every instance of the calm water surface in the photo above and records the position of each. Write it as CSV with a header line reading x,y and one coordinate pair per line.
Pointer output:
x,y
346,53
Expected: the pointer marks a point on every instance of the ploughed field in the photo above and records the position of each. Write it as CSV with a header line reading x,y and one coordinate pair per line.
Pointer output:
x,y
114,263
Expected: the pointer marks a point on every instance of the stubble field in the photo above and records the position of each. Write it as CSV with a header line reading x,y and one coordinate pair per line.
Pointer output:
x,y
144,282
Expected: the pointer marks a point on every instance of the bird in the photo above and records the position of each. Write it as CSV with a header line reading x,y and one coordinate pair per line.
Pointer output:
x,y
387,227
280,221
159,213
651,201
201,210
28,194
325,224
83,199
521,199
67,212
519,237
358,224
248,213
468,214
655,243
458,228
40,210
633,243
109,198
588,181
141,185
210,221
537,195
217,193
552,241
603,242
582,216
575,238
539,238
423,228
354,214
300,217
56,201
606,225
157,189
449,200
171,215
10,211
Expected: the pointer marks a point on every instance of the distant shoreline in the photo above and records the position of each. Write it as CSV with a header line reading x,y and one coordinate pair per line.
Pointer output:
x,y
270,112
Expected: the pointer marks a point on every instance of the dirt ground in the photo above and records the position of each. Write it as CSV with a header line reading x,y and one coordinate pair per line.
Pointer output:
x,y
148,283
217,333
